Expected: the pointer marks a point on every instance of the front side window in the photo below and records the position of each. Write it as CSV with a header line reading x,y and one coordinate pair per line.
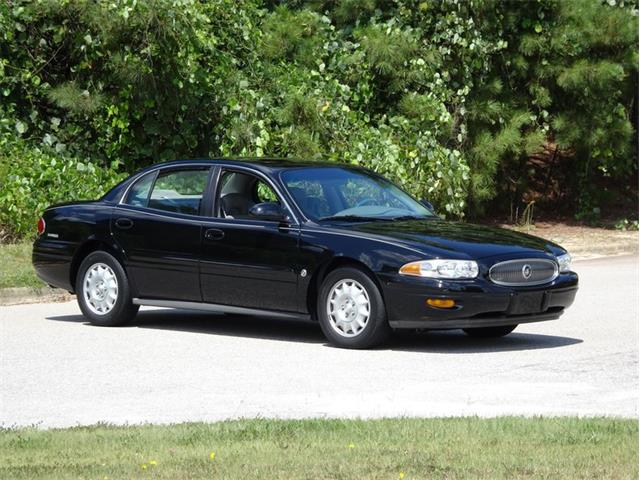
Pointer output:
x,y
179,191
240,191
334,193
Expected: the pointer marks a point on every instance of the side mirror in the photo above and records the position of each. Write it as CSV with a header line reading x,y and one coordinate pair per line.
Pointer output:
x,y
268,211
426,203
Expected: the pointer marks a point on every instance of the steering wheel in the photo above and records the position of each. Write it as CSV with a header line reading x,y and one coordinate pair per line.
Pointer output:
x,y
366,201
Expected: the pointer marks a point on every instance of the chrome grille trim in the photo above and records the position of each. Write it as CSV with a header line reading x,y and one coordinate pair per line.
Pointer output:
x,y
509,273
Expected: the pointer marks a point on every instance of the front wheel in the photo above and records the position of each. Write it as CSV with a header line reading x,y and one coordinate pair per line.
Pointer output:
x,y
103,292
351,310
490,332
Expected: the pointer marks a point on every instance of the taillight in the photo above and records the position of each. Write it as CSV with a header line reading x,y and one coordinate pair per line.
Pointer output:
x,y
41,226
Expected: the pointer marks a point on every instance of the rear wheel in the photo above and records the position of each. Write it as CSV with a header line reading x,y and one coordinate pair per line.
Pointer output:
x,y
351,311
490,332
103,291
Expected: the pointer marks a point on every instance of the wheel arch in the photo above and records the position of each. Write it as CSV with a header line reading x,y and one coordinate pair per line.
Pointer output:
x,y
321,273
90,246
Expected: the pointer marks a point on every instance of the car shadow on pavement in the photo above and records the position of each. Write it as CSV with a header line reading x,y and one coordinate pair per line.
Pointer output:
x,y
218,324
445,342
456,341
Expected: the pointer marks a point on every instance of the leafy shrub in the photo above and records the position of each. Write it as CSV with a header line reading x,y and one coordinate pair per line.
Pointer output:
x,y
31,179
625,224
449,99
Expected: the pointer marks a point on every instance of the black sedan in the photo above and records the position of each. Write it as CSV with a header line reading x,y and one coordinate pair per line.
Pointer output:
x,y
335,244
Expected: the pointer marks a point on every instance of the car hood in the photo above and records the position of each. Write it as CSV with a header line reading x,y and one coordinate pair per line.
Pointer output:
x,y
460,239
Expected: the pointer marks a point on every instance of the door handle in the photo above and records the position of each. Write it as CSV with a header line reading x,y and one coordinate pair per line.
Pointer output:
x,y
214,234
124,223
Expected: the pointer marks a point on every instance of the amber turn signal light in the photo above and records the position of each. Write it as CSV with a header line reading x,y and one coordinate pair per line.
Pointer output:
x,y
440,302
411,269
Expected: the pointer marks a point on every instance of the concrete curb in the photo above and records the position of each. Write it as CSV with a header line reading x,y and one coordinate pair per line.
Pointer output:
x,y
596,256
22,295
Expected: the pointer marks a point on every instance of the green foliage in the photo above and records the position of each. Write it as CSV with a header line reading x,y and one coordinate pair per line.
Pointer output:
x,y
449,99
131,82
292,36
572,74
32,179
625,224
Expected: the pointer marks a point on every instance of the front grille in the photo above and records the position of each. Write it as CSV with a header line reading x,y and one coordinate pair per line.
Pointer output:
x,y
528,271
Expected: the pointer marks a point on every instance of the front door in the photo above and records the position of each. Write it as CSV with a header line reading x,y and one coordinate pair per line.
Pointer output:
x,y
248,262
159,227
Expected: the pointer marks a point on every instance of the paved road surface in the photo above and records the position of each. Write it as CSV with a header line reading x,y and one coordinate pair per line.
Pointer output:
x,y
174,366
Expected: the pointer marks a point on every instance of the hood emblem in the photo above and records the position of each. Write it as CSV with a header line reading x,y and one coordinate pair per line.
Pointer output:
x,y
527,271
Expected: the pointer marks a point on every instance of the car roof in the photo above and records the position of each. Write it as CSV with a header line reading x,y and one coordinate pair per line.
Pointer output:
x,y
264,164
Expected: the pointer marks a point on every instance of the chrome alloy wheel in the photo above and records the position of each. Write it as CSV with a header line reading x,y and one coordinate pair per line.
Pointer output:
x,y
348,308
100,288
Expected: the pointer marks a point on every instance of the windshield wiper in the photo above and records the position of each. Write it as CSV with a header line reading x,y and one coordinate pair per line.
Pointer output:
x,y
355,218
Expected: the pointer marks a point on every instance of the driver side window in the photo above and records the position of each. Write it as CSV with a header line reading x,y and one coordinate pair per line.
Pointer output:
x,y
239,192
264,193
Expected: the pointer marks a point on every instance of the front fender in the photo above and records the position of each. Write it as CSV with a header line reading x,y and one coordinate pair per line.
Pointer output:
x,y
322,250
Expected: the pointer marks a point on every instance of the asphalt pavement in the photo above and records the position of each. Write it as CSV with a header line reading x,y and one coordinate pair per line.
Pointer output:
x,y
176,366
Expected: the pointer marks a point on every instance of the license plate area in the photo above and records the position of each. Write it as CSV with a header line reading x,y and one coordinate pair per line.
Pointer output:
x,y
524,303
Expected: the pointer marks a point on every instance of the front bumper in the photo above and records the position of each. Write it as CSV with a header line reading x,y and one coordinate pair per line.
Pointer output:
x,y
478,302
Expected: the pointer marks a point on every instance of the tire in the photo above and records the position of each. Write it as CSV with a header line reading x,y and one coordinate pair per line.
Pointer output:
x,y
490,332
103,291
342,310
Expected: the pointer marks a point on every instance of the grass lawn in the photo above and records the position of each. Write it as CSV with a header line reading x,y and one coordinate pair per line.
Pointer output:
x,y
452,448
15,266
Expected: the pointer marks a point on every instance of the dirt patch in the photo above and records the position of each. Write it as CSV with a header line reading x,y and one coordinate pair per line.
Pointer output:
x,y
21,295
585,242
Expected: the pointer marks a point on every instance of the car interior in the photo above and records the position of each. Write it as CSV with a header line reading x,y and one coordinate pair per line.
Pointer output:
x,y
241,191
174,191
179,191
314,205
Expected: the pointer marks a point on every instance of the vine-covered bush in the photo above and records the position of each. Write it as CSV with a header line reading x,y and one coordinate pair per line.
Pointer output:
x,y
31,179
450,99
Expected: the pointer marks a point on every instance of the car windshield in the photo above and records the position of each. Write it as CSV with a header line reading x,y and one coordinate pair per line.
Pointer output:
x,y
347,194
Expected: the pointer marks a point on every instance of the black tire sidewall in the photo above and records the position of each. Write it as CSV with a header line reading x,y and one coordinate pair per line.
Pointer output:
x,y
377,328
123,310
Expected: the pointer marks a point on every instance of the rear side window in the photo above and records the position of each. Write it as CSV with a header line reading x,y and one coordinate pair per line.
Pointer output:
x,y
139,193
179,191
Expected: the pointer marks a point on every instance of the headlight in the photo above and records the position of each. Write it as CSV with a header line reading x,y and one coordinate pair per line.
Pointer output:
x,y
441,269
564,263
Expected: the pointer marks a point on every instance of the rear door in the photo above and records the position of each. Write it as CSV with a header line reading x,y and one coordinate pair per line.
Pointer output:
x,y
158,225
248,262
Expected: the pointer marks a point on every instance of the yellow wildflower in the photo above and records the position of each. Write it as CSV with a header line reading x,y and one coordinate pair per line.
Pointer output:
x,y
153,462
401,475
143,466
351,445
212,456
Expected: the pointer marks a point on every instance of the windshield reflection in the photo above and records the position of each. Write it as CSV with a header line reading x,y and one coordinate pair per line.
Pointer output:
x,y
350,195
